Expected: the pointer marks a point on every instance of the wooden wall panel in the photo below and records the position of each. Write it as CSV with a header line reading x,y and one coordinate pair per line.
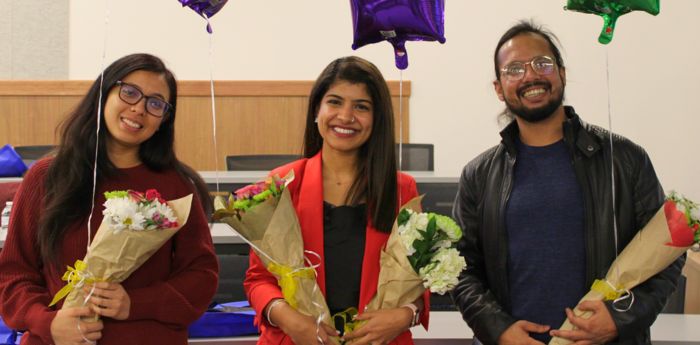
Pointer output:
x,y
253,117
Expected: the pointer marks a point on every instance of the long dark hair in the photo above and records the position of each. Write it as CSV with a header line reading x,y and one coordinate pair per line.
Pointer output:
x,y
376,170
68,181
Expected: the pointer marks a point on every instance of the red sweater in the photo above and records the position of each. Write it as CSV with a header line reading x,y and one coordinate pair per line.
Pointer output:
x,y
171,290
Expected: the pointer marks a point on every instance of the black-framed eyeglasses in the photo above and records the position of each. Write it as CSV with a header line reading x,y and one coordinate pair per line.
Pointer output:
x,y
542,65
131,94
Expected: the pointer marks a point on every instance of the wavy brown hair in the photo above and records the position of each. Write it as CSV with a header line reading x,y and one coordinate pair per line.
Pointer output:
x,y
68,181
376,171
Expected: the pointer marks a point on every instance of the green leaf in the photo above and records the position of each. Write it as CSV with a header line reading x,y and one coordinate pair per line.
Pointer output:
x,y
403,216
116,194
431,229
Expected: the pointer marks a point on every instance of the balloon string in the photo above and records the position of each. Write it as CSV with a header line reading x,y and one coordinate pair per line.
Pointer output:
x,y
612,156
400,131
97,132
213,105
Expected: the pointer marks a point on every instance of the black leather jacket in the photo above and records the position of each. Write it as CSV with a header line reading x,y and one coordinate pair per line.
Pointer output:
x,y
482,292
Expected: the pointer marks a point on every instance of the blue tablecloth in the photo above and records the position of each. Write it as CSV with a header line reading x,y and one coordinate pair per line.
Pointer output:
x,y
225,320
8,336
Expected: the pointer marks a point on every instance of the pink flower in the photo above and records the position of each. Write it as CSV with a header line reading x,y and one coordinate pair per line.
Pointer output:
x,y
153,194
136,196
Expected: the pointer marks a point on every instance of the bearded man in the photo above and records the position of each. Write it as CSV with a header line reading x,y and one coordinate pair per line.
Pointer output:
x,y
538,214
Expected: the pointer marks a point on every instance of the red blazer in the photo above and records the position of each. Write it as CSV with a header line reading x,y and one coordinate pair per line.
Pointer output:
x,y
307,195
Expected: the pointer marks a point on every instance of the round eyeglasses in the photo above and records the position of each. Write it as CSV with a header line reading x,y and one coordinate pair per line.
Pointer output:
x,y
131,94
542,65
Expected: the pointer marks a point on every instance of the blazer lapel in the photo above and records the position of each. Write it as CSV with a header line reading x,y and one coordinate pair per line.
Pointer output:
x,y
310,212
374,243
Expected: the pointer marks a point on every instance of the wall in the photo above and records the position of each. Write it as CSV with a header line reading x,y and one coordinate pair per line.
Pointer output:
x,y
651,64
34,39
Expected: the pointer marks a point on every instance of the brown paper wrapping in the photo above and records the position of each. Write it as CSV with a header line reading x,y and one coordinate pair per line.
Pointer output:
x,y
398,283
646,255
272,228
114,256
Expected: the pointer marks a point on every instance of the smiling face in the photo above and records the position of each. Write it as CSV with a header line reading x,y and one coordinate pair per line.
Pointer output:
x,y
534,97
345,117
131,125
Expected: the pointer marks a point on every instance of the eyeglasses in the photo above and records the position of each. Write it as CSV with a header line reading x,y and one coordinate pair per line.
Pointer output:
x,y
542,65
131,94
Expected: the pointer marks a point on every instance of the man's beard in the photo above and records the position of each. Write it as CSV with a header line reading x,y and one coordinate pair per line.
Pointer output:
x,y
534,115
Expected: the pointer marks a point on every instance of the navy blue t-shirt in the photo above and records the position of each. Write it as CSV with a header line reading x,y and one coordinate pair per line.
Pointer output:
x,y
546,249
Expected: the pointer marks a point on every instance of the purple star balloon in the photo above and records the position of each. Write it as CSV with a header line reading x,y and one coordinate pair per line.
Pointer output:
x,y
205,8
397,21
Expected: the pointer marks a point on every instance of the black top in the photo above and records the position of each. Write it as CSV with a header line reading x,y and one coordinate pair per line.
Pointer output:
x,y
343,248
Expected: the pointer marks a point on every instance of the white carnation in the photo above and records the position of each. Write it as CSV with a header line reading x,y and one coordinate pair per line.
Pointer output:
x,y
695,213
680,207
408,235
420,220
442,274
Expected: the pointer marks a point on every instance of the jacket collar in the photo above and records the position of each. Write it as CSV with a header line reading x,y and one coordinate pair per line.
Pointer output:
x,y
576,135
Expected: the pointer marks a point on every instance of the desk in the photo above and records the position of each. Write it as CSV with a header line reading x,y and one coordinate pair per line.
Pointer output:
x,y
449,328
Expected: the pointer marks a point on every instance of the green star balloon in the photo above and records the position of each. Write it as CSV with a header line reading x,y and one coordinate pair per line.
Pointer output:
x,y
610,10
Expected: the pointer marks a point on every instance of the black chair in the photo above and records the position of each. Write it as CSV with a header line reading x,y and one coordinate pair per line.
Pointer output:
x,y
415,157
232,269
258,162
31,153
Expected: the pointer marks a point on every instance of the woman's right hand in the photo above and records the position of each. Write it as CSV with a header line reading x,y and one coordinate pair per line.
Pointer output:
x,y
302,328
68,329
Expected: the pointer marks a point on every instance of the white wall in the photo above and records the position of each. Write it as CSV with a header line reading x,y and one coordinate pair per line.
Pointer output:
x,y
653,64
33,39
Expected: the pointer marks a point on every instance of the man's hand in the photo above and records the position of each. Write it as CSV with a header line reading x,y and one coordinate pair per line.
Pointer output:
x,y
519,333
598,329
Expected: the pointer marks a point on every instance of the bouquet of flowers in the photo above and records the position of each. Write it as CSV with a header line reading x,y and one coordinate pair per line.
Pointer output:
x,y
419,255
429,240
134,227
264,216
672,230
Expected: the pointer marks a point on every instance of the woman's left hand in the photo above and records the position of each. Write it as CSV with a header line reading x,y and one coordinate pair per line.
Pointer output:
x,y
109,300
381,326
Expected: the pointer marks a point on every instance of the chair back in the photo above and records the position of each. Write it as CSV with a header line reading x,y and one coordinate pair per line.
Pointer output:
x,y
415,157
31,153
258,162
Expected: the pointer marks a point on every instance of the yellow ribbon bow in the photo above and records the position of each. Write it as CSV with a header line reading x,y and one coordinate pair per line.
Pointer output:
x,y
607,290
346,320
287,280
75,277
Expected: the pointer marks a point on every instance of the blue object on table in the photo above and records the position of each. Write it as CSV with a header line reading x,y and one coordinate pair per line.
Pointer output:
x,y
225,320
11,164
8,336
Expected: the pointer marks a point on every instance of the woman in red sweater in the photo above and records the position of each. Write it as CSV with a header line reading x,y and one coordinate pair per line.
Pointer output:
x,y
48,229
346,194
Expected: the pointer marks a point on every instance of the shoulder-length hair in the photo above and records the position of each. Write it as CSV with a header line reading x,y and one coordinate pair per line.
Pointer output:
x,y
68,181
376,172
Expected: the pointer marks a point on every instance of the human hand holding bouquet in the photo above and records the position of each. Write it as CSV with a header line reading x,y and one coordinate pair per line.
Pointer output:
x,y
419,255
134,227
672,230
264,216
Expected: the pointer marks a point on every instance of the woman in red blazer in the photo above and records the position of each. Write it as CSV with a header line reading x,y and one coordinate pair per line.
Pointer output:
x,y
346,193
